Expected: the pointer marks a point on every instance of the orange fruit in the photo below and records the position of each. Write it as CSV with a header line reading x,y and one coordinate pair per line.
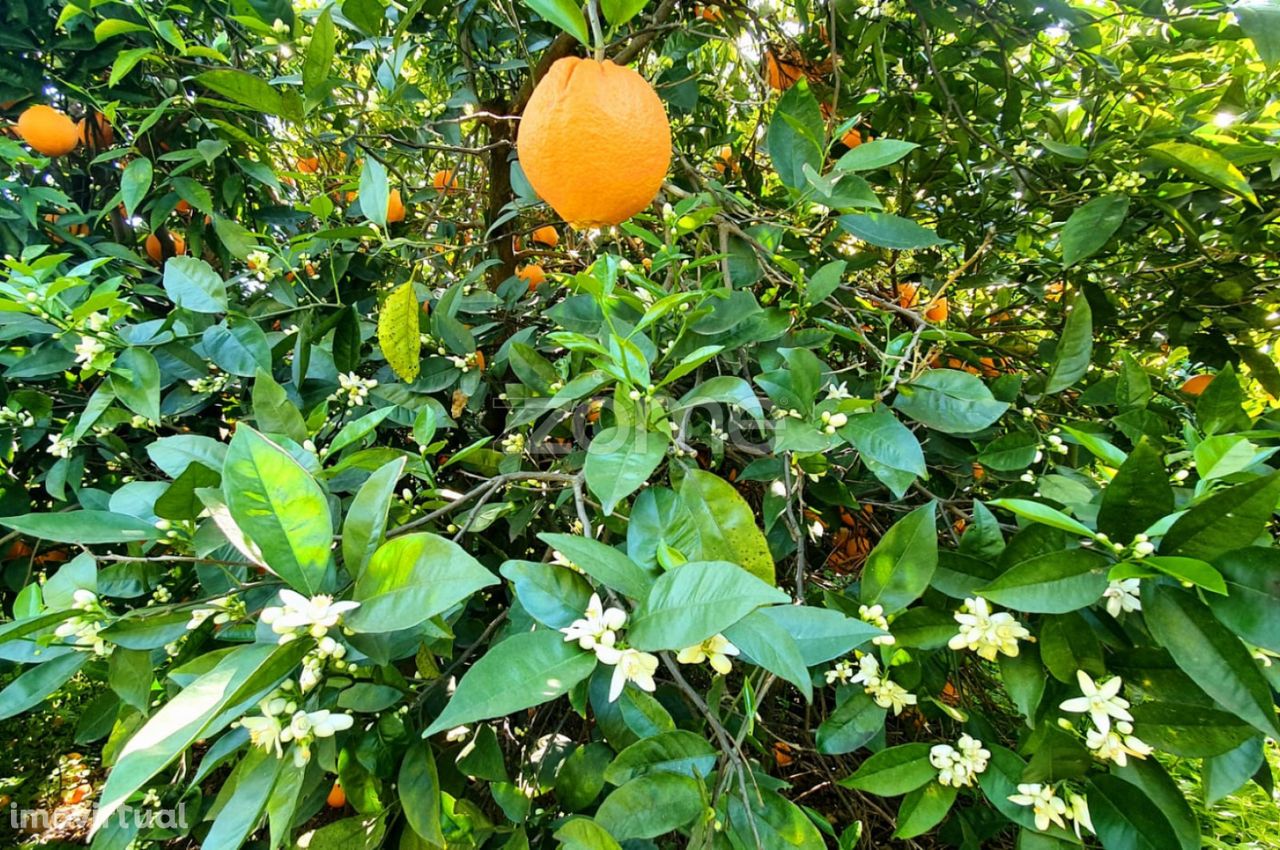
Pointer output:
x,y
594,142
48,131
852,138
647,263
182,207
155,248
337,797
81,229
908,295
546,235
781,74
308,165
710,14
99,135
395,207
534,274
480,360
937,311
445,181
1196,384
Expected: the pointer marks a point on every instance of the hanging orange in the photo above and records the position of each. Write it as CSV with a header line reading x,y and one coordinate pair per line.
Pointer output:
x,y
852,138
594,142
337,797
546,235
445,181
155,248
395,207
1196,384
937,311
100,134
48,131
308,165
533,274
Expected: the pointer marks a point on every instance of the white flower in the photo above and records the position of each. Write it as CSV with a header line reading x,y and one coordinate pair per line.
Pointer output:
x,y
264,732
835,392
87,349
842,672
314,616
1122,596
61,445
1117,744
960,765
355,388
715,650
305,726
1078,811
597,629
868,670
889,694
1045,804
632,665
985,633
1101,701
874,615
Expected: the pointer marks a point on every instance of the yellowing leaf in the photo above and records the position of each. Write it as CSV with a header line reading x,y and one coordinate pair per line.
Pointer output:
x,y
398,333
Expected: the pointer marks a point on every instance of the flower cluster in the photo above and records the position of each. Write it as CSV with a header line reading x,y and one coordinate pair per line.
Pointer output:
x,y
281,722
874,615
1048,807
213,383
354,388
83,628
597,631
1103,703
884,691
959,765
986,633
303,616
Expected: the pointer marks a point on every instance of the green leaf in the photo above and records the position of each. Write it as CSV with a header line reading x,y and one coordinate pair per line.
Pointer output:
x,y
565,14
1220,407
273,411
769,821
368,15
585,834
893,771
794,137
129,672
899,567
420,791
1207,652
192,284
949,401
32,687
725,525
876,153
252,781
1044,515
1260,20
1010,452
201,709
885,230
83,528
1188,570
1137,496
820,633
1071,357
618,12
1206,166
1053,583
135,380
238,346
111,27
676,751
1169,799
243,88
1125,818
135,182
1253,595
366,519
125,62
279,507
888,448
1226,520
553,595
923,809
650,805
319,58
581,776
619,460
399,336
1225,774
374,194
522,671
603,563
1090,226
727,389
696,601
411,579
855,721
766,644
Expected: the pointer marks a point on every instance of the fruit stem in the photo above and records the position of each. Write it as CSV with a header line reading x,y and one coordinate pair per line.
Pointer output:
x,y
593,14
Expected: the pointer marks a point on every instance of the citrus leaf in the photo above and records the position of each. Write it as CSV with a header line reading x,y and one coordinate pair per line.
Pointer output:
x,y
1089,227
398,334
1205,165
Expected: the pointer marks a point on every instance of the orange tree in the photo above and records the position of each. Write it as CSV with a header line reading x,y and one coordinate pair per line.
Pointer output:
x,y
889,428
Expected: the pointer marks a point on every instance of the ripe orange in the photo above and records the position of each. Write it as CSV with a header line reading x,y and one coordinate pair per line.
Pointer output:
x,y
781,73
308,165
98,135
155,248
182,207
534,274
395,207
445,181
594,142
81,229
852,138
1196,384
908,295
710,14
337,797
937,311
546,235
48,131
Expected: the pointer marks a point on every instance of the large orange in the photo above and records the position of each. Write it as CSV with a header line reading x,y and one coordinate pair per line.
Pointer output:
x,y
1196,384
48,131
594,142
533,274
395,207
155,248
546,235
937,311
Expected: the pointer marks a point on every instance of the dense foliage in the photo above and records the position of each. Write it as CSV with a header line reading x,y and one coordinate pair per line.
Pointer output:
x,y
911,452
